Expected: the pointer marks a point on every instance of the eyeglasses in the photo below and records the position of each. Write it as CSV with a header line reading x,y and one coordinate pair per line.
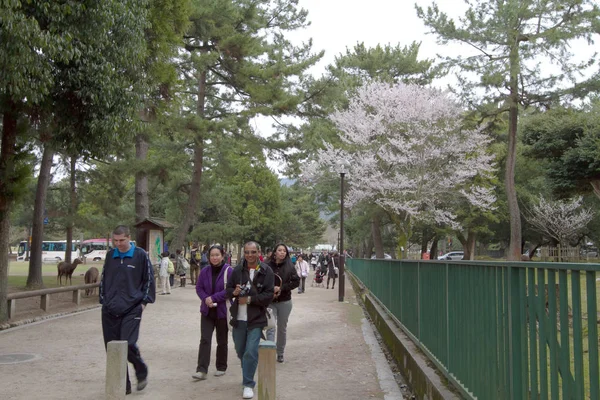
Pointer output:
x,y
250,251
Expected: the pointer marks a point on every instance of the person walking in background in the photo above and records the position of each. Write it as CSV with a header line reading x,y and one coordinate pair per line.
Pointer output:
x,y
313,262
302,271
126,287
163,273
195,258
282,267
172,274
180,268
204,262
210,288
334,261
251,288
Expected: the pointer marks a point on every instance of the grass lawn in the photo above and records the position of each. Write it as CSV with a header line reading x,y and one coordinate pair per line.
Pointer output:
x,y
17,274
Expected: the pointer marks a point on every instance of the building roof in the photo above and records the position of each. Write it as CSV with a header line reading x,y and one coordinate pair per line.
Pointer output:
x,y
161,223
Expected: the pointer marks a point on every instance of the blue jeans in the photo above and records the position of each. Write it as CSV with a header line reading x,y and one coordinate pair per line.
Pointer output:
x,y
246,346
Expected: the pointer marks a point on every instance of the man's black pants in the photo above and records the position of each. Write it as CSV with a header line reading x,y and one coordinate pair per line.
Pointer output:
x,y
126,327
207,326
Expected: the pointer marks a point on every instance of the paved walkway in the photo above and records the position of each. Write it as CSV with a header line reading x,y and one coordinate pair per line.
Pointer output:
x,y
329,354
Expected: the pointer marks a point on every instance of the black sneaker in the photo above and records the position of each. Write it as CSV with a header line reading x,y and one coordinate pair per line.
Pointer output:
x,y
142,384
280,358
127,391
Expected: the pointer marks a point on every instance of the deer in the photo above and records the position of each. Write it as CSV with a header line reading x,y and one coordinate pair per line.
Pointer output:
x,y
66,269
91,276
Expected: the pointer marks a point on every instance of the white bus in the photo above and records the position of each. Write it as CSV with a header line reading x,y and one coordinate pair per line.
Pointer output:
x,y
95,249
52,250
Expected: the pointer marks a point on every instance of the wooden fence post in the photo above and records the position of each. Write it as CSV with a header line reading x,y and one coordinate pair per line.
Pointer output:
x,y
266,370
45,302
116,369
76,296
12,307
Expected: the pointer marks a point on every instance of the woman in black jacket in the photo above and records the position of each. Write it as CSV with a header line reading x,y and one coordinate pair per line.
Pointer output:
x,y
286,280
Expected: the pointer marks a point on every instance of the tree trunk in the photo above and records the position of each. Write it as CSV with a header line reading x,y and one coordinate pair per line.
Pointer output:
x,y
468,244
514,250
7,176
142,203
596,187
434,248
426,237
376,233
34,279
189,215
469,247
72,211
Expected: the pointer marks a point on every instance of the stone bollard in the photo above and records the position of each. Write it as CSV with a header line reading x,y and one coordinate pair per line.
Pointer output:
x,y
266,370
116,369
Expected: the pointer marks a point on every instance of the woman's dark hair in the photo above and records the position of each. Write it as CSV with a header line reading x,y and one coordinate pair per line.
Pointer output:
x,y
273,258
164,254
217,246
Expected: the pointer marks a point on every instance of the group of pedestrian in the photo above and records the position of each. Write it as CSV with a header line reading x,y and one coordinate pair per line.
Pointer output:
x,y
327,263
229,296
248,289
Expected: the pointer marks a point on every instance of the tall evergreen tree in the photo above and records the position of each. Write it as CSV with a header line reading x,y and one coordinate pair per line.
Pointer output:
x,y
238,64
512,40
84,54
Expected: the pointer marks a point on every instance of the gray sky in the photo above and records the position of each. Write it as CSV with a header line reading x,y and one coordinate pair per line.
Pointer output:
x,y
340,24
337,24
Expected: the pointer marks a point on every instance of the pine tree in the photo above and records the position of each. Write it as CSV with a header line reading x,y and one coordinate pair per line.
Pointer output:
x,y
238,64
512,40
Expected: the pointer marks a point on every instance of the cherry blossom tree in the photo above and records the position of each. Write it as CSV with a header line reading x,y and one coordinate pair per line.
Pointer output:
x,y
409,153
562,221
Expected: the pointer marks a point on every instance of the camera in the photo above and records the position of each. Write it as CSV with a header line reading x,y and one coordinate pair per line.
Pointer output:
x,y
245,289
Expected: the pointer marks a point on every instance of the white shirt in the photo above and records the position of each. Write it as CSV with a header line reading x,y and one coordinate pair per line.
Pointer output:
x,y
242,314
164,266
302,267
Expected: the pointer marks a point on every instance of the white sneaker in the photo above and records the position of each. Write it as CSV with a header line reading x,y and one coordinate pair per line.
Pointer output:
x,y
219,373
199,376
248,393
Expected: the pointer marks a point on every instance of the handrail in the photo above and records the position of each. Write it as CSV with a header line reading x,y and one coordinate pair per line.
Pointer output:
x,y
41,292
518,264
496,329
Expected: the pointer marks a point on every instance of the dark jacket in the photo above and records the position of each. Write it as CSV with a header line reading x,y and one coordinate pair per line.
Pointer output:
x,y
334,261
127,281
204,289
261,293
289,279
323,263
193,261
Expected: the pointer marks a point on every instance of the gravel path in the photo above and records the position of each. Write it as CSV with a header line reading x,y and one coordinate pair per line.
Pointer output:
x,y
326,354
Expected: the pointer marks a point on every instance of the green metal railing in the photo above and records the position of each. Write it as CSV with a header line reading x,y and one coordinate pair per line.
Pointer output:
x,y
497,330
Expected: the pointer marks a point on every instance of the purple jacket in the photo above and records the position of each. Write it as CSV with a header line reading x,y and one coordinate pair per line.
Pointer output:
x,y
204,289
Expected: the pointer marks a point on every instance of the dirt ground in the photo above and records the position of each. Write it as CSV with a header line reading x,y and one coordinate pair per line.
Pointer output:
x,y
326,354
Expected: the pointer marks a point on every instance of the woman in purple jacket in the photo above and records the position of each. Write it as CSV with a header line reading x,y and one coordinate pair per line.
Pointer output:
x,y
210,287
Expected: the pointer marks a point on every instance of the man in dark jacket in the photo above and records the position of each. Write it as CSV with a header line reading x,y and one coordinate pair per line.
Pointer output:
x,y
251,288
126,286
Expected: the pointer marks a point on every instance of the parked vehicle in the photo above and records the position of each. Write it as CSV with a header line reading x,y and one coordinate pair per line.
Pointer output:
x,y
52,250
453,256
385,255
95,249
